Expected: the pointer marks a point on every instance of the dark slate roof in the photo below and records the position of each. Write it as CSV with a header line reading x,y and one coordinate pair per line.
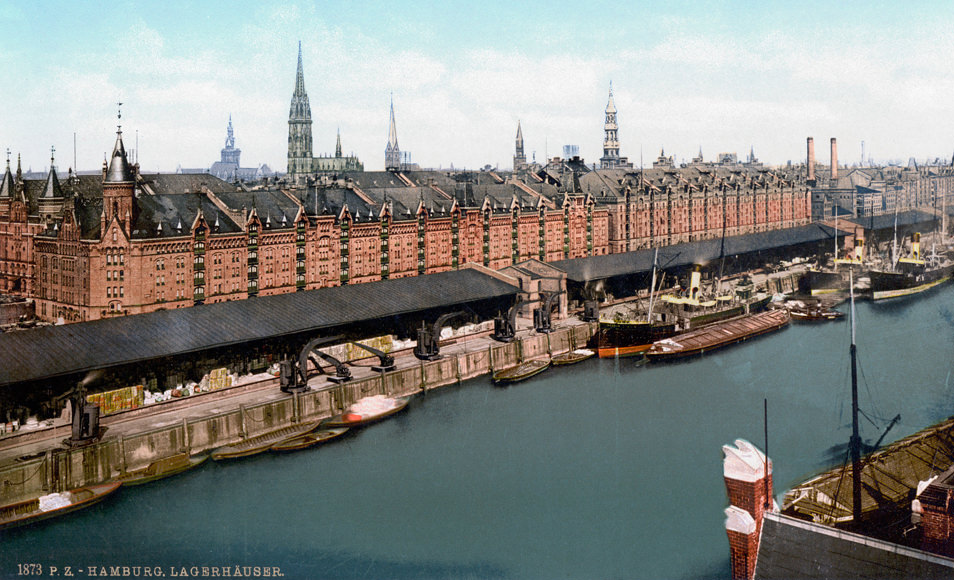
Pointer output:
x,y
119,171
6,184
885,222
185,183
792,549
176,214
273,207
52,351
330,200
610,265
52,187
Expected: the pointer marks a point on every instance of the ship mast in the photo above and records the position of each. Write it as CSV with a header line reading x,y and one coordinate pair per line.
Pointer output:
x,y
652,289
855,442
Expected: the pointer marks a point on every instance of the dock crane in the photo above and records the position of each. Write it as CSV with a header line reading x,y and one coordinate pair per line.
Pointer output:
x,y
386,361
505,328
85,420
293,375
541,316
428,339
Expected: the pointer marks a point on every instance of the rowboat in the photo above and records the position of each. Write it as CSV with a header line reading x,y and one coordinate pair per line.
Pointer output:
x,y
165,467
307,440
262,442
572,357
522,371
367,410
718,335
815,313
55,504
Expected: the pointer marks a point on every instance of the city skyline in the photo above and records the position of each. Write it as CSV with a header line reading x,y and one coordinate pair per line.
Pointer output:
x,y
723,77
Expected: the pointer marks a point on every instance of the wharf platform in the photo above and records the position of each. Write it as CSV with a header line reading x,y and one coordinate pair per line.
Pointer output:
x,y
32,463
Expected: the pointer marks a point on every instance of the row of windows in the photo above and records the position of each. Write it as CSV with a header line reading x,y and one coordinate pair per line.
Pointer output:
x,y
113,291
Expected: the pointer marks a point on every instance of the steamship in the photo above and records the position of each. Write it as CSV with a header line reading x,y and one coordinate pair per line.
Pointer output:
x,y
835,279
912,274
632,333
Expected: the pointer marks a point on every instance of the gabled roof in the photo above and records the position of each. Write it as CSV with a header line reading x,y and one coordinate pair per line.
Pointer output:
x,y
791,548
679,255
162,216
75,348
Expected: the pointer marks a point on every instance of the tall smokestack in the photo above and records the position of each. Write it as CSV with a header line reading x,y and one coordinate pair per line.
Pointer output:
x,y
811,159
834,159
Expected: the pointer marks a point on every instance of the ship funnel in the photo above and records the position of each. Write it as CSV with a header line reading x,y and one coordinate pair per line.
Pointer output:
x,y
916,246
860,249
695,283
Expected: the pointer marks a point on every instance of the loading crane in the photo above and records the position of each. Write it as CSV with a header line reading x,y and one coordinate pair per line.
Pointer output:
x,y
293,375
386,361
541,316
428,339
505,328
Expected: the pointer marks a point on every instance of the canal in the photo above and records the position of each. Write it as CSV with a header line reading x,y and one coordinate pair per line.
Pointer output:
x,y
601,470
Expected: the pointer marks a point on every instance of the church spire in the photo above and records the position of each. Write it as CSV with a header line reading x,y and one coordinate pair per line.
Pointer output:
x,y
519,157
338,144
610,156
392,153
299,127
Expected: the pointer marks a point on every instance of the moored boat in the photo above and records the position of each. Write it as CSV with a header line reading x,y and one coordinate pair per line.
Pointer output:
x,y
572,357
262,442
522,371
815,313
367,410
55,504
718,335
165,467
308,439
911,275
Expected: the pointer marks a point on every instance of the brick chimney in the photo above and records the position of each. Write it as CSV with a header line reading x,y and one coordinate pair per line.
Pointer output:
x,y
936,501
834,159
811,159
748,483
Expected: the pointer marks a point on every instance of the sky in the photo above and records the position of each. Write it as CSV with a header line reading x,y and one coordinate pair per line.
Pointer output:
x,y
687,76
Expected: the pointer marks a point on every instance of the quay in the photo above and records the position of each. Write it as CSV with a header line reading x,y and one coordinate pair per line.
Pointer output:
x,y
33,463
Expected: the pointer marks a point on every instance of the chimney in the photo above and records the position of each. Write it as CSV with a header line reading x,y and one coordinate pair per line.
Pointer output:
x,y
748,483
834,159
811,159
935,502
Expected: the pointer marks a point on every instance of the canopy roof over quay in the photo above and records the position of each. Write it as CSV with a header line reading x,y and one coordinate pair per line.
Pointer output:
x,y
584,270
386,307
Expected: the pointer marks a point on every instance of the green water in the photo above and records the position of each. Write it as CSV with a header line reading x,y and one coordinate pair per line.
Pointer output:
x,y
600,470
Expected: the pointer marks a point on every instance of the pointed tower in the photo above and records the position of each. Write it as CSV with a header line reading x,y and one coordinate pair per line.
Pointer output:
x,y
6,184
119,188
610,156
230,154
519,158
299,128
52,188
338,145
392,153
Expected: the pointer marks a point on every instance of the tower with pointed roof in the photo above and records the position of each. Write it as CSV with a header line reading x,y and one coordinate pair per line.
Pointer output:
x,y
392,153
519,157
610,158
230,154
299,128
119,187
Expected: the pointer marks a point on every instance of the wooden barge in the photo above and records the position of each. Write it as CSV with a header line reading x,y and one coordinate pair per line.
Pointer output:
x,y
572,357
260,443
28,512
161,468
308,440
351,419
521,372
718,335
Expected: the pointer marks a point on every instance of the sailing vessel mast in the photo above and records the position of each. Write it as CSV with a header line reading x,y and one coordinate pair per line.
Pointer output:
x,y
855,441
652,289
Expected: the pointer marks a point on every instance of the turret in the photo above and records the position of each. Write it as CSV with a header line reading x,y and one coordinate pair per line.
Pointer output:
x,y
119,188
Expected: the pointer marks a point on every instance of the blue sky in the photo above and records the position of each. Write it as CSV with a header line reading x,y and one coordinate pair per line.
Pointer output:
x,y
723,76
